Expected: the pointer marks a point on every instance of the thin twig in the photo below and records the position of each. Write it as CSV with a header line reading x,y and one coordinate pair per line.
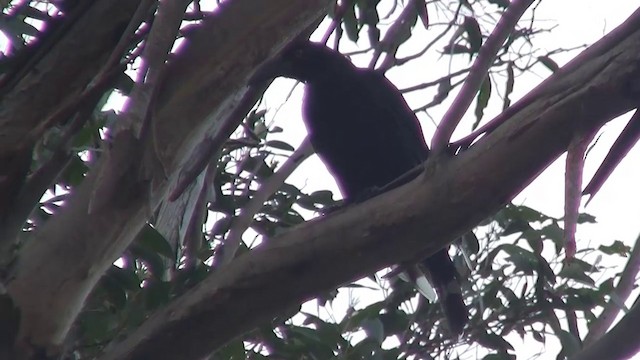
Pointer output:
x,y
478,73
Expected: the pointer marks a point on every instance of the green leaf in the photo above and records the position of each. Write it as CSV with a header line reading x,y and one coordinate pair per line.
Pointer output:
x,y
394,322
470,242
97,325
570,345
576,272
126,278
538,336
327,332
548,63
617,248
114,291
584,218
606,286
155,263
124,83
74,173
509,86
482,101
157,293
493,341
499,356
474,35
359,317
16,27
523,260
232,351
455,49
374,329
351,23
150,239
367,349
554,233
281,145
584,298
257,165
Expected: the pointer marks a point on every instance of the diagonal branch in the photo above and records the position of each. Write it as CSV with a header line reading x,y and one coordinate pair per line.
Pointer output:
x,y
622,342
478,74
619,296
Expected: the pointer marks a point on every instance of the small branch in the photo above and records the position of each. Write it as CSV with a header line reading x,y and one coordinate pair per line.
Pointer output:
x,y
159,42
573,189
129,34
243,221
621,292
478,73
339,13
619,150
389,43
405,60
572,323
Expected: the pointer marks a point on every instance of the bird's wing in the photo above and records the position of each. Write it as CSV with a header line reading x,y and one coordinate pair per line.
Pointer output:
x,y
396,109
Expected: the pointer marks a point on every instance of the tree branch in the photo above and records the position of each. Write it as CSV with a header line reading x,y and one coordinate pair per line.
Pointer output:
x,y
478,74
620,294
621,343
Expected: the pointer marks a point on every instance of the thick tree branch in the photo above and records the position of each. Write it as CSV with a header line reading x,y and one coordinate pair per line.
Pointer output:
x,y
58,268
407,223
621,343
63,72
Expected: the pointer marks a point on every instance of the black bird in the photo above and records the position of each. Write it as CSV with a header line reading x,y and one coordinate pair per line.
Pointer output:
x,y
367,136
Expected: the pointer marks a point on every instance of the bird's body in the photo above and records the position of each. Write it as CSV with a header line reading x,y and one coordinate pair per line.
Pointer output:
x,y
367,136
362,153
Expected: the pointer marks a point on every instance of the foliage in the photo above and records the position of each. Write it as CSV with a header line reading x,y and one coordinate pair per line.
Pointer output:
x,y
517,285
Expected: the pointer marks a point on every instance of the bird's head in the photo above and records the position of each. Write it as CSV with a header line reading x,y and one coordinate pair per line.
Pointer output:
x,y
304,61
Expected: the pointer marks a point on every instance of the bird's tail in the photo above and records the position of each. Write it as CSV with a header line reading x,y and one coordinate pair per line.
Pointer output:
x,y
444,278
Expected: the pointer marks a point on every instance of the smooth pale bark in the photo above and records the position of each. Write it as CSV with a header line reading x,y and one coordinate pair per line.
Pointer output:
x,y
56,79
60,265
